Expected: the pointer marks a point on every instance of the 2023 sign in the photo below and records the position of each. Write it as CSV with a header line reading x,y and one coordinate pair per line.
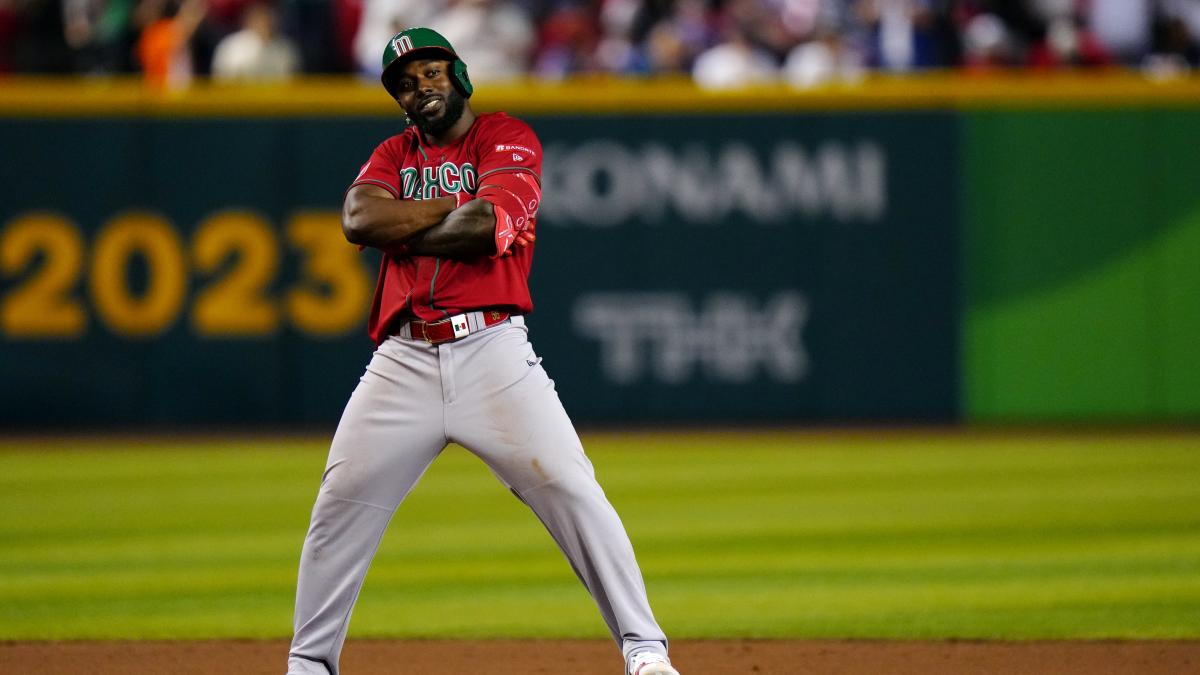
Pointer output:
x,y
234,254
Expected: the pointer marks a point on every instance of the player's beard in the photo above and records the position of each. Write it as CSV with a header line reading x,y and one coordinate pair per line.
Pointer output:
x,y
452,111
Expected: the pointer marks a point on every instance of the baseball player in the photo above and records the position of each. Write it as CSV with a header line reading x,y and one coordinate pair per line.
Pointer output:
x,y
452,202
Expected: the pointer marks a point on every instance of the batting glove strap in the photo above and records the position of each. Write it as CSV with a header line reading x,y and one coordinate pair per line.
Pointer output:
x,y
506,232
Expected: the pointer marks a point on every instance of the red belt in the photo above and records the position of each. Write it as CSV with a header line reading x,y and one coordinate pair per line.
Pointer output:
x,y
454,328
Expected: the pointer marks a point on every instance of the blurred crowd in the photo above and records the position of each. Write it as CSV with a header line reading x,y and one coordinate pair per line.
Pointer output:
x,y
721,43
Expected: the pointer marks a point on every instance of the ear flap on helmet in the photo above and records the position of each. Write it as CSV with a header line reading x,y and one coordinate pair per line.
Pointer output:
x,y
461,80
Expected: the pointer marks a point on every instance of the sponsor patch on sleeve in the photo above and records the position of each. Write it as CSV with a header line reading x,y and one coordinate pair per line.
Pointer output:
x,y
514,148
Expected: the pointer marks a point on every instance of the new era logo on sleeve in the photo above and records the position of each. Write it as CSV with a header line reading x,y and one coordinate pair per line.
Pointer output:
x,y
517,158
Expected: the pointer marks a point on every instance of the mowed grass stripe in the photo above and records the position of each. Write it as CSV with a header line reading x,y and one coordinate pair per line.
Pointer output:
x,y
740,534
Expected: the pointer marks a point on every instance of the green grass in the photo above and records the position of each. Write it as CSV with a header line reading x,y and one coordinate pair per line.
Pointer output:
x,y
846,535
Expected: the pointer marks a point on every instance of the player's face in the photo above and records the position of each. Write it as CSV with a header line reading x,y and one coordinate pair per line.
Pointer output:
x,y
428,96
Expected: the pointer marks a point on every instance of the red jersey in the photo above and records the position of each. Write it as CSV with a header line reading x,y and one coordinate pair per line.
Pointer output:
x,y
432,288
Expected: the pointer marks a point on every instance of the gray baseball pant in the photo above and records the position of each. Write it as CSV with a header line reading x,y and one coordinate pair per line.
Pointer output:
x,y
489,393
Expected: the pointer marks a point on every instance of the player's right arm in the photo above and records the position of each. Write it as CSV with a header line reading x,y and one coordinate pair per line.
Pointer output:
x,y
372,216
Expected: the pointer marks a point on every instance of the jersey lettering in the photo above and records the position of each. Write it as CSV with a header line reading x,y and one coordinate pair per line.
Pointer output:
x,y
429,182
469,178
448,176
408,182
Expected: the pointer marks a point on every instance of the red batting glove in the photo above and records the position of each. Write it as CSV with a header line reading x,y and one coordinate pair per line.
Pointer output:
x,y
524,238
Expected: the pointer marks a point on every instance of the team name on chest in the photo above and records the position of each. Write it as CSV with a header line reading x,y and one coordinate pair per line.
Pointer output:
x,y
431,182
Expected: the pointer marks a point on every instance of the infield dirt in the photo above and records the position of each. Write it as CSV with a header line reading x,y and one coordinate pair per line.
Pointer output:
x,y
533,657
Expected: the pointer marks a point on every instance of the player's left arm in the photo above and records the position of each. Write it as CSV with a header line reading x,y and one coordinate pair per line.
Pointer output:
x,y
471,231
466,233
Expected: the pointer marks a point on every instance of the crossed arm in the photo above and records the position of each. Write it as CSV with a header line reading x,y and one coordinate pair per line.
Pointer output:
x,y
434,227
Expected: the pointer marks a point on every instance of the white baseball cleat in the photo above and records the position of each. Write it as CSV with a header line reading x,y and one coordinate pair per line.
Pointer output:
x,y
650,663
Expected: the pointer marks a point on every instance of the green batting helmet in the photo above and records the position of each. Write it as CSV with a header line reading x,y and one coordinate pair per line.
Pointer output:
x,y
412,42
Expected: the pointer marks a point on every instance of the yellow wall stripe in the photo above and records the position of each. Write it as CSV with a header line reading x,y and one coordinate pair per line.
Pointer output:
x,y
86,97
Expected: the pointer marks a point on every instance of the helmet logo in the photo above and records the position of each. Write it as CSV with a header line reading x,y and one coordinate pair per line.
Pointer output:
x,y
402,44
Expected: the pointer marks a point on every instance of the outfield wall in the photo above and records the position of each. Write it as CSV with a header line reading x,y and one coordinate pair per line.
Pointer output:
x,y
928,250
1083,250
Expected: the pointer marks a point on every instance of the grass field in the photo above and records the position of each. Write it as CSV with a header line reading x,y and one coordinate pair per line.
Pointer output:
x,y
766,534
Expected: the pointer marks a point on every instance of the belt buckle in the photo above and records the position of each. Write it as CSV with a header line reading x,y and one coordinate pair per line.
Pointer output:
x,y
424,328
420,331
460,325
